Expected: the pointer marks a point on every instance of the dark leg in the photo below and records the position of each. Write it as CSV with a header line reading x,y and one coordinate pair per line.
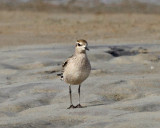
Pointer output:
x,y
70,94
79,92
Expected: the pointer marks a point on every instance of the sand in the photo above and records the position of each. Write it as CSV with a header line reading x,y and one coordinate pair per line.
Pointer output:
x,y
123,91
28,27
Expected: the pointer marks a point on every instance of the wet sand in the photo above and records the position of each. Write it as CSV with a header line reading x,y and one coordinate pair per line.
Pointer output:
x,y
123,89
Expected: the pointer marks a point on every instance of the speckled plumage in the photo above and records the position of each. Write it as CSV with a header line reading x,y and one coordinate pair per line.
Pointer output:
x,y
77,68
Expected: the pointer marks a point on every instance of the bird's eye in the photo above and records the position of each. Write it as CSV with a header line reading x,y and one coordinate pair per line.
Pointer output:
x,y
79,44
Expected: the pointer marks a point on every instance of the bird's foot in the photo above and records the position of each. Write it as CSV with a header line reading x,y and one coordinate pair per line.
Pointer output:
x,y
79,106
71,106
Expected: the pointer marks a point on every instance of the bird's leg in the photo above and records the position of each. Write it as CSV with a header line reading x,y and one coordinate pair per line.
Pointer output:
x,y
79,92
70,94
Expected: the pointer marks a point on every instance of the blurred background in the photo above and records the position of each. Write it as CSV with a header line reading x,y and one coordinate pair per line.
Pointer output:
x,y
24,22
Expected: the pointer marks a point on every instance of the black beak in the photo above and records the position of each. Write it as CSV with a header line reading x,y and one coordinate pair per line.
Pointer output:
x,y
87,48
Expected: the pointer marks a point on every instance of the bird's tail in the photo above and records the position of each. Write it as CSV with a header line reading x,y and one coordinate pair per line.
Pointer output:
x,y
61,75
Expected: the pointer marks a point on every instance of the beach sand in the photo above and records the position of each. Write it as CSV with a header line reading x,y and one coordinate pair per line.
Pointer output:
x,y
122,91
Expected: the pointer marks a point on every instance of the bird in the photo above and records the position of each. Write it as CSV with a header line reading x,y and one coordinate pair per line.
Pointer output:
x,y
76,69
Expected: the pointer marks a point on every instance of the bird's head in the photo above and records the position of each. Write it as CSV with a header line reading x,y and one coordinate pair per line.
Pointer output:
x,y
81,46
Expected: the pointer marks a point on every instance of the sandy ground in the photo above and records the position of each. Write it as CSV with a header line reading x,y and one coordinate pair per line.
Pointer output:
x,y
123,89
25,27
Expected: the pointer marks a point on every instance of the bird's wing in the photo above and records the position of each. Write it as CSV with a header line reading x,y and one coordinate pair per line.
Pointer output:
x,y
66,62
63,67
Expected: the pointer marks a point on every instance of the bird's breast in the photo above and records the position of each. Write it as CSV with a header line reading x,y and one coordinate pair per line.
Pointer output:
x,y
76,72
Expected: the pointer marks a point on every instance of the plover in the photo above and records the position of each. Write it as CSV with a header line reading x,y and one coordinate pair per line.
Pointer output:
x,y
76,69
